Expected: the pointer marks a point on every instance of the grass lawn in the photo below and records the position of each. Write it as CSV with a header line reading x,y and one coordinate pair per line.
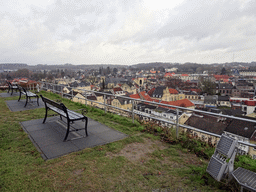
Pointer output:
x,y
140,162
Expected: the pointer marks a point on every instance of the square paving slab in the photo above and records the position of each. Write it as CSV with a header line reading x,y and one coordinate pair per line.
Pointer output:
x,y
48,137
15,105
9,94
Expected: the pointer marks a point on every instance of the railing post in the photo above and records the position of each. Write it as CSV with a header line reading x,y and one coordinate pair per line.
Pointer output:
x,y
61,91
132,111
72,95
105,109
177,123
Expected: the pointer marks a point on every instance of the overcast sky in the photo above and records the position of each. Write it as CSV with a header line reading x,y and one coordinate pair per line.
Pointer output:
x,y
127,31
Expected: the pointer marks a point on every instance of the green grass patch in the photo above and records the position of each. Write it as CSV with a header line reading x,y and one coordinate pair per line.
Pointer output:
x,y
173,168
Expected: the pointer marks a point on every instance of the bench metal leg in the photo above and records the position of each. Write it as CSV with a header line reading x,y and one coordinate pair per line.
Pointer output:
x,y
19,97
46,110
86,123
37,100
68,123
26,102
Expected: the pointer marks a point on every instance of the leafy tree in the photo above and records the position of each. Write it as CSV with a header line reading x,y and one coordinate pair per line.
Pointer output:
x,y
23,73
161,68
223,71
62,73
8,77
115,70
207,86
103,84
108,71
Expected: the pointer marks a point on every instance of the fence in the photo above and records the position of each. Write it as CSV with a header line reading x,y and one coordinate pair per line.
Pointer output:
x,y
59,89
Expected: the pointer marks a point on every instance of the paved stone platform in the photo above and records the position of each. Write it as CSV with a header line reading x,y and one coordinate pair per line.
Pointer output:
x,y
15,105
9,94
48,137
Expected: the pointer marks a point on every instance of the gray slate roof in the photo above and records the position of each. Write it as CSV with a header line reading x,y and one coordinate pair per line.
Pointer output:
x,y
224,86
159,91
242,128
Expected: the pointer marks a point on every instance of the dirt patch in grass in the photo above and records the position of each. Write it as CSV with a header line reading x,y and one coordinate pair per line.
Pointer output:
x,y
136,151
78,171
191,159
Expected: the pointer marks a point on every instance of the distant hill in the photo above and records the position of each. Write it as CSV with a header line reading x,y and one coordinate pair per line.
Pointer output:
x,y
12,66
182,68
152,65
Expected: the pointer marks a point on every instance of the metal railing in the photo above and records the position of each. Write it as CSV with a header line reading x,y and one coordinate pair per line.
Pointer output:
x,y
53,88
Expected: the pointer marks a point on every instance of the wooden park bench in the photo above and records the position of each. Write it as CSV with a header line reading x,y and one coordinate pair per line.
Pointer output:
x,y
63,111
12,87
28,95
221,164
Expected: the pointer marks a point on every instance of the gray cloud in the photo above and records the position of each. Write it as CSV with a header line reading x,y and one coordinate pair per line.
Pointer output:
x,y
126,32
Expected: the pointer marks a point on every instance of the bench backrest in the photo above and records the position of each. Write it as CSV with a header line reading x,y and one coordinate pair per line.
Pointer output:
x,y
60,106
9,84
22,89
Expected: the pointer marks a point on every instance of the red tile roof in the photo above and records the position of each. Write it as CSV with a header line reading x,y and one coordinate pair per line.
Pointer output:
x,y
145,95
219,77
151,91
168,74
135,96
180,103
250,103
184,75
173,91
196,90
117,89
